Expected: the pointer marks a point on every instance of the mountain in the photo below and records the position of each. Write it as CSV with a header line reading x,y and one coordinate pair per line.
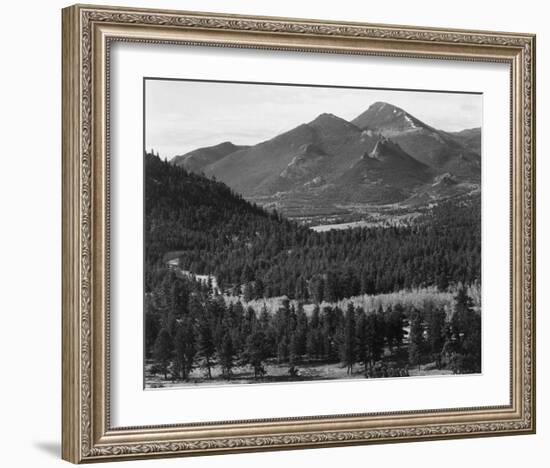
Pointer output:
x,y
332,170
197,159
469,138
389,119
322,148
385,175
433,147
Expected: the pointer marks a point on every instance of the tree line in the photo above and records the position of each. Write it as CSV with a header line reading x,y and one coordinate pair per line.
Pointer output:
x,y
188,328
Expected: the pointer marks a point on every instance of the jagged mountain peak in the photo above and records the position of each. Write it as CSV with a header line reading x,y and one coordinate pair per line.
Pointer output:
x,y
327,117
390,153
328,121
457,153
380,106
389,118
384,145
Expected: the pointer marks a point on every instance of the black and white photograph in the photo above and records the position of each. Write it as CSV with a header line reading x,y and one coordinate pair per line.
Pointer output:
x,y
297,232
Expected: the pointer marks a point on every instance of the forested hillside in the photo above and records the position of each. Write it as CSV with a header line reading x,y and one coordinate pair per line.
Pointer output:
x,y
215,231
193,333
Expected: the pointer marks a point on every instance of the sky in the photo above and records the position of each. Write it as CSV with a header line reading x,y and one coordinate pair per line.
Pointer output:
x,y
181,116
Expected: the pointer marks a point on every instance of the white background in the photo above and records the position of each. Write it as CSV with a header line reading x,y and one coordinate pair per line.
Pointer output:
x,y
131,406
30,235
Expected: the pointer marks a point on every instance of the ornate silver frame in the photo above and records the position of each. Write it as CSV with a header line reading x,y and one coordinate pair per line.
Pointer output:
x,y
87,33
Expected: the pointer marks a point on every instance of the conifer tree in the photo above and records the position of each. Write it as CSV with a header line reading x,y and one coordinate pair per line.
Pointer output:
x,y
185,347
313,344
300,331
206,344
162,352
466,330
361,337
227,355
348,347
436,333
373,338
256,352
416,338
248,292
394,329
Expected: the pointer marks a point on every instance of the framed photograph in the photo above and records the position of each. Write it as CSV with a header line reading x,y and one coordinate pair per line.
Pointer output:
x,y
286,233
